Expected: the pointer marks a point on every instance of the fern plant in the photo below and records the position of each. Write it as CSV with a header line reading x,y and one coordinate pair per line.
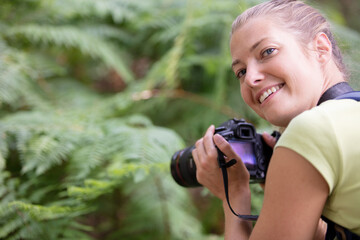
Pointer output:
x,y
58,166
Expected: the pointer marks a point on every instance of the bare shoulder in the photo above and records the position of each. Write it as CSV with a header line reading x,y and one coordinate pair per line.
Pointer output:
x,y
295,194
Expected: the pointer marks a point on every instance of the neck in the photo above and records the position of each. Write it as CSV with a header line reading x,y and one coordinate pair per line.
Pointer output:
x,y
335,91
334,84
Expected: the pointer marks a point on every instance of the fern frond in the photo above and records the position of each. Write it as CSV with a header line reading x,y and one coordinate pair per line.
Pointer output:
x,y
38,212
38,150
92,189
73,37
156,195
104,31
10,226
31,221
43,153
118,10
8,189
16,87
3,151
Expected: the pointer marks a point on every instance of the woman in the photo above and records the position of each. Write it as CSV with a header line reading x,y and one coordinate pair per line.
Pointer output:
x,y
285,58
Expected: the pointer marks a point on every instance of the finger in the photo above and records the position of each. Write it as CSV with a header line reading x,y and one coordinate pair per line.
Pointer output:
x,y
195,155
209,145
199,146
225,147
201,152
228,151
205,161
269,140
196,158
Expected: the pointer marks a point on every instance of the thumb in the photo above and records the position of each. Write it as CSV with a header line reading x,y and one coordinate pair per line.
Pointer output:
x,y
225,147
242,174
270,140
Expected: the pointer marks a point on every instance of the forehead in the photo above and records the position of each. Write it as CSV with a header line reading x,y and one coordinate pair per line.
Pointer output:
x,y
255,30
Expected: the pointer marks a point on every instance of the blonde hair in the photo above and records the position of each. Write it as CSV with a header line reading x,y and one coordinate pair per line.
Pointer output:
x,y
303,20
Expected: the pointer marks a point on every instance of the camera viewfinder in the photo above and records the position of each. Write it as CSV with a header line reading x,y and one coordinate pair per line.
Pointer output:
x,y
245,132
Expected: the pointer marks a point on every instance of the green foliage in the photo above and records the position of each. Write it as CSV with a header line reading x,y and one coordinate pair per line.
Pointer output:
x,y
62,162
348,41
88,42
84,87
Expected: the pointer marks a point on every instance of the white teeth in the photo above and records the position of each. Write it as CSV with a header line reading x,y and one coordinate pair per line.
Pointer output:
x,y
263,97
267,93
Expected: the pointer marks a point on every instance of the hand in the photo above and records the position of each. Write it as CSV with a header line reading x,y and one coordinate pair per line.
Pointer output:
x,y
208,172
270,141
321,230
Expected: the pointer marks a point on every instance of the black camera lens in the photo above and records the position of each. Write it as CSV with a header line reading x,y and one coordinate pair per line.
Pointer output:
x,y
183,168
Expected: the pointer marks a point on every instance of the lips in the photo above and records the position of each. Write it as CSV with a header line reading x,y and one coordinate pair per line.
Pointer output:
x,y
268,92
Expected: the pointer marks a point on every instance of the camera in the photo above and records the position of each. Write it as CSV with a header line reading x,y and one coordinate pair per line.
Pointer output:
x,y
244,140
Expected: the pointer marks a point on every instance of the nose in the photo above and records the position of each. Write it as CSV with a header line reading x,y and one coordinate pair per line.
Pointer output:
x,y
254,75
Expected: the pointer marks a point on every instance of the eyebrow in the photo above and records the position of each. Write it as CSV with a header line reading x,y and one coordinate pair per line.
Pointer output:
x,y
237,61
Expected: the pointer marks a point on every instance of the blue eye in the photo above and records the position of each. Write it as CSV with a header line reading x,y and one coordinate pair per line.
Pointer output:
x,y
241,73
268,52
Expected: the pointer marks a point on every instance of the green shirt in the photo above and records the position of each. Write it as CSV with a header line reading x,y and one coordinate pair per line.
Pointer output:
x,y
328,136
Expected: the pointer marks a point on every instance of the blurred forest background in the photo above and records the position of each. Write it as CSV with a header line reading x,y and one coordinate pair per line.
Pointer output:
x,y
96,96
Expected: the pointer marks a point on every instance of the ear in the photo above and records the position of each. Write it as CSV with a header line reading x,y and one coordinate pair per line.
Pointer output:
x,y
323,47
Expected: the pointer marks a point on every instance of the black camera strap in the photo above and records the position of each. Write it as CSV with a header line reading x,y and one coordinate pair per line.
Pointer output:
x,y
224,165
338,90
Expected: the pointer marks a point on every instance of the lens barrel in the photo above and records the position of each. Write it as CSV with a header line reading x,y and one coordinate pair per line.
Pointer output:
x,y
183,168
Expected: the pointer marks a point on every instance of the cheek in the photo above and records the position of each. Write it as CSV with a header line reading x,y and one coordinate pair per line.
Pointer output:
x,y
243,93
247,97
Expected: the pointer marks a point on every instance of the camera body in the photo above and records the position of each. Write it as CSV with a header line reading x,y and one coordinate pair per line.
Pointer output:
x,y
244,140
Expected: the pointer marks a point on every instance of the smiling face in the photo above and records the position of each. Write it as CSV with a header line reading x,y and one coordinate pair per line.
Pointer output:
x,y
278,77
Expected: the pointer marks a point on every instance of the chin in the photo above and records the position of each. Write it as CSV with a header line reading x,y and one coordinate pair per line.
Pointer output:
x,y
279,123
278,120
